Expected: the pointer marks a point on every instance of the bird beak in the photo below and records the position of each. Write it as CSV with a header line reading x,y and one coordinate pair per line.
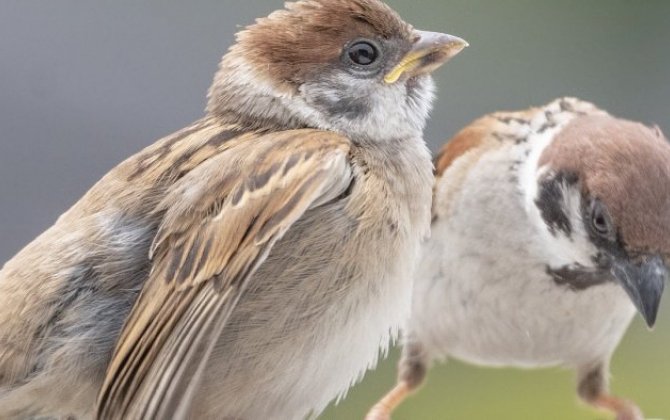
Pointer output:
x,y
644,284
430,51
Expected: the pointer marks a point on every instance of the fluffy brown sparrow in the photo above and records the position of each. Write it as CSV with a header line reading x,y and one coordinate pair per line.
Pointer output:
x,y
550,227
251,265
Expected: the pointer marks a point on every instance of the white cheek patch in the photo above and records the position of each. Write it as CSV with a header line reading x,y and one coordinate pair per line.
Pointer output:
x,y
353,106
561,248
399,113
542,130
370,109
573,248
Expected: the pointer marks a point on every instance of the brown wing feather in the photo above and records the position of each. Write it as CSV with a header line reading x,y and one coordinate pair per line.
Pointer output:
x,y
488,132
466,147
466,140
219,223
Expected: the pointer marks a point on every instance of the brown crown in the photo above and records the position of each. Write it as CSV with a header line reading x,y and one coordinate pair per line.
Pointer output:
x,y
626,165
293,43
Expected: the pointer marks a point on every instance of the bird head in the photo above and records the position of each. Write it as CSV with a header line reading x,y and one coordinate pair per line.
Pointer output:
x,y
351,66
603,194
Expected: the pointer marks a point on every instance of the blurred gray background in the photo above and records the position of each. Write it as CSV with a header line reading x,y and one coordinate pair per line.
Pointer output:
x,y
85,84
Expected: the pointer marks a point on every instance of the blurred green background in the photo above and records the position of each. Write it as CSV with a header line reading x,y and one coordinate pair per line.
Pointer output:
x,y
455,391
85,84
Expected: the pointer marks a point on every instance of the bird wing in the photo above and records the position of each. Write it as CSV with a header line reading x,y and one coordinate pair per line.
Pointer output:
x,y
219,222
454,161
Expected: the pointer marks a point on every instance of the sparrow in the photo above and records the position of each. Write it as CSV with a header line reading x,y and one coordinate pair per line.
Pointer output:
x,y
251,265
551,227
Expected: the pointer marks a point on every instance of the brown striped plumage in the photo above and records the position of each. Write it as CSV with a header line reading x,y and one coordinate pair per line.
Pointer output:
x,y
249,191
253,264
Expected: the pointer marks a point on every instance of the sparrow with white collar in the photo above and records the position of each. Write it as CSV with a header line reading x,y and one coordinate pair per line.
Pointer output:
x,y
251,265
550,228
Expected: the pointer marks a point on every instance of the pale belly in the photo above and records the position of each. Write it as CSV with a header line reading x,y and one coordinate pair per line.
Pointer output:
x,y
301,338
496,314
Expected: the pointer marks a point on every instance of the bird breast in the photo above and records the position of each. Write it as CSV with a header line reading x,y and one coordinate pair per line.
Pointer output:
x,y
295,331
482,293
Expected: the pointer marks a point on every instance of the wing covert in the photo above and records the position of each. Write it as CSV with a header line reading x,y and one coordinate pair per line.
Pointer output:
x,y
219,222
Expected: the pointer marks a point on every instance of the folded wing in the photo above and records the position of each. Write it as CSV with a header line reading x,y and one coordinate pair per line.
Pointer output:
x,y
219,222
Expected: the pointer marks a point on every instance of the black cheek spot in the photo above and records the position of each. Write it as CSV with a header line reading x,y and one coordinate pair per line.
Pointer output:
x,y
551,204
347,107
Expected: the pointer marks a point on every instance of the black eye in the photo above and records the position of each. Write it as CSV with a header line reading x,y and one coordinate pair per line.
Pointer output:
x,y
600,220
363,53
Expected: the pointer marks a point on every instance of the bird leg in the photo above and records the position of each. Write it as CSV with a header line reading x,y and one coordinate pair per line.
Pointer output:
x,y
411,373
384,407
593,388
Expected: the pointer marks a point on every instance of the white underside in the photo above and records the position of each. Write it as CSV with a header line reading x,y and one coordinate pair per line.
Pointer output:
x,y
482,292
